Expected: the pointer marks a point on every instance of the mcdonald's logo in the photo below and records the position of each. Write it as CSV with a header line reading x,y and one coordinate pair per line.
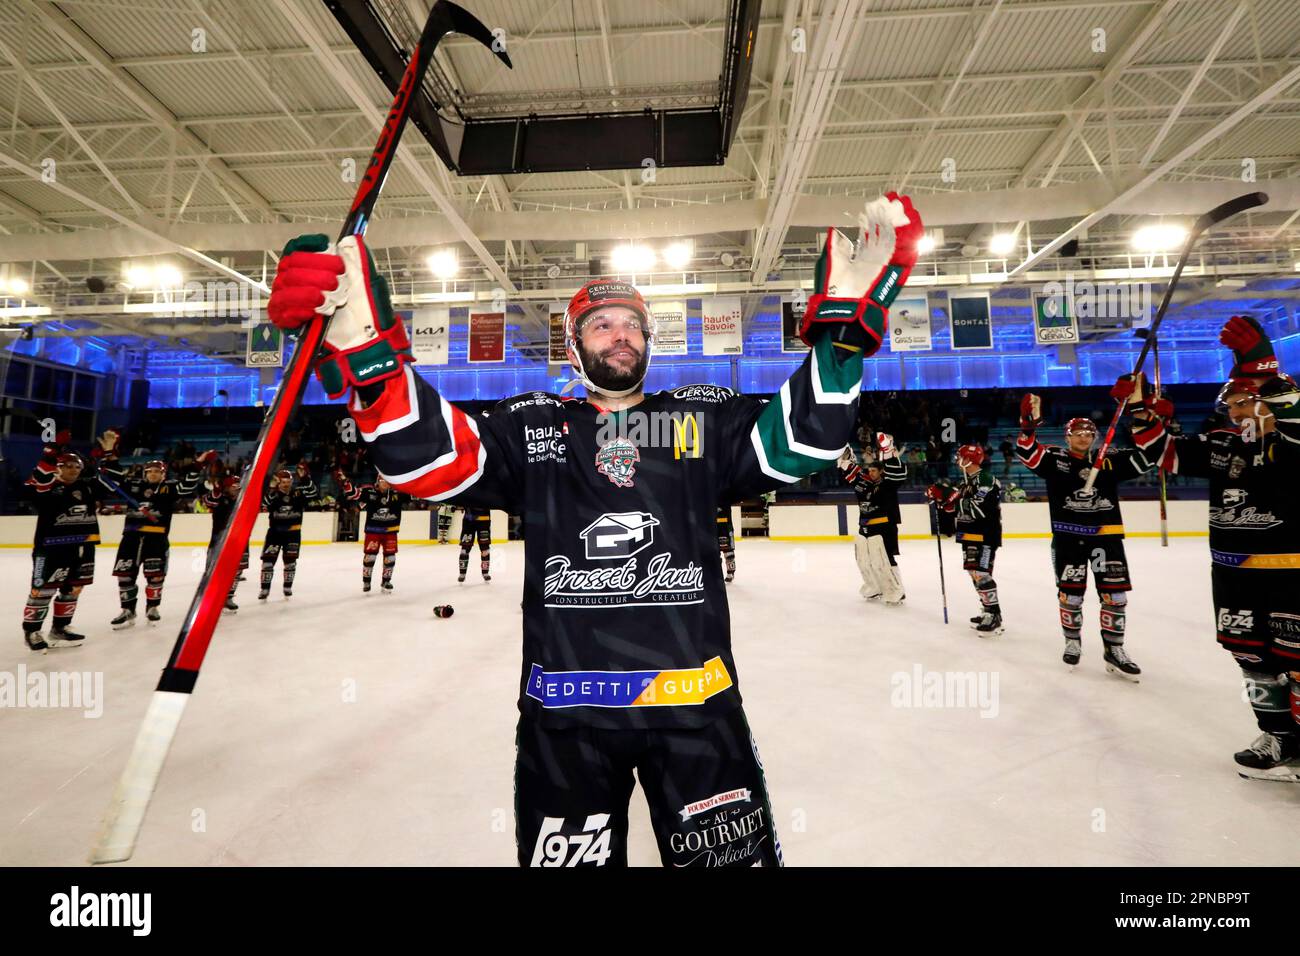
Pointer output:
x,y
686,437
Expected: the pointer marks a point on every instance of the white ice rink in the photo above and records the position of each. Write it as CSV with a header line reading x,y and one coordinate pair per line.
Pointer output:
x,y
342,729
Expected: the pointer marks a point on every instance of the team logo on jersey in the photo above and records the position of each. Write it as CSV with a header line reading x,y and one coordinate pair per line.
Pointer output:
x,y
715,801
1078,501
686,437
1233,496
715,394
617,460
1236,467
1244,518
619,535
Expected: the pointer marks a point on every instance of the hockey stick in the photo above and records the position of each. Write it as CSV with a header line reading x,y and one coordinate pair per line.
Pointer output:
x,y
1209,219
938,543
130,801
1160,471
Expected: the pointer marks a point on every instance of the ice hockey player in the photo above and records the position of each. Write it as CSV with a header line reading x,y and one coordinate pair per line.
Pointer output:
x,y
445,514
476,525
63,553
977,506
876,548
383,506
627,664
145,547
220,501
727,543
1087,529
1254,531
284,502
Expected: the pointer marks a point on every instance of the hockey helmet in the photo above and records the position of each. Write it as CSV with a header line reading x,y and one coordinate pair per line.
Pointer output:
x,y
971,454
1078,426
597,294
70,459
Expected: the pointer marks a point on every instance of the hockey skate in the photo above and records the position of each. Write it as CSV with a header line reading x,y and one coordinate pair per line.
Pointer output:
x,y
730,576
460,578
62,637
1273,757
231,606
386,588
867,596
288,593
1120,664
153,614
989,624
35,641
263,595
365,587
1073,651
123,620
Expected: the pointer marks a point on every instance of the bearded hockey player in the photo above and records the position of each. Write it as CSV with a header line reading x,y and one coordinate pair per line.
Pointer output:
x,y
727,543
145,547
876,548
476,525
1087,529
1254,533
63,554
220,501
627,663
976,504
383,506
284,502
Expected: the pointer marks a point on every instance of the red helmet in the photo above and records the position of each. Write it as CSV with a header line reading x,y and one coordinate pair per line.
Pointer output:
x,y
71,459
230,481
597,294
283,473
1255,386
971,454
1079,425
156,463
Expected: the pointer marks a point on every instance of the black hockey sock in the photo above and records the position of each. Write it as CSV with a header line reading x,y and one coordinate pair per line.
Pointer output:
x,y
65,605
1071,615
1270,699
38,605
1113,618
390,561
464,561
289,571
127,593
268,571
485,563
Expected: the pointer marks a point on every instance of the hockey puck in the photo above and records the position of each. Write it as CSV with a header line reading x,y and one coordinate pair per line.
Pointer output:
x,y
444,610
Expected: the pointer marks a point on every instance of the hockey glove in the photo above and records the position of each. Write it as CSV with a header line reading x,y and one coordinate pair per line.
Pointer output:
x,y
1031,413
1250,347
856,286
366,343
885,447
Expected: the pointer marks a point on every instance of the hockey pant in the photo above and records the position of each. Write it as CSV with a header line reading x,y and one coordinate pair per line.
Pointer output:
x,y
374,544
1073,556
708,800
58,575
880,576
1257,618
272,550
141,552
483,534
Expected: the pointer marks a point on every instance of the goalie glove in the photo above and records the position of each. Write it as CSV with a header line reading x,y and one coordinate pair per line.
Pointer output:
x,y
855,286
366,343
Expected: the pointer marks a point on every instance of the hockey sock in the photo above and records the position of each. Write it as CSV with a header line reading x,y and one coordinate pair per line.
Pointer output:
x,y
1113,617
65,605
485,560
127,593
730,558
268,570
38,605
1071,614
153,592
987,589
367,568
464,561
1270,699
390,561
290,569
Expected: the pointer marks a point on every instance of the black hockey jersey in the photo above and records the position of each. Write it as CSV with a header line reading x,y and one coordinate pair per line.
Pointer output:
x,y
877,500
383,509
978,509
1072,511
475,519
1254,508
66,513
149,506
284,511
625,612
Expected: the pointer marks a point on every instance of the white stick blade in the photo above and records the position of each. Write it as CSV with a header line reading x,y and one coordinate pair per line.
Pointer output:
x,y
135,789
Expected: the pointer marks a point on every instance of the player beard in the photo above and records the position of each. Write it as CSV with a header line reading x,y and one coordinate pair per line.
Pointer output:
x,y
608,377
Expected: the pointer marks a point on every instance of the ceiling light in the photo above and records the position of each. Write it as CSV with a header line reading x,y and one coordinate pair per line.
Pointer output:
x,y
167,276
138,276
632,258
1159,237
16,286
678,255
444,263
1002,243
925,244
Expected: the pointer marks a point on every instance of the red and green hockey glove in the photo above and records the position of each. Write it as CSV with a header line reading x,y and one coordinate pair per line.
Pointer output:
x,y
1250,347
856,285
366,343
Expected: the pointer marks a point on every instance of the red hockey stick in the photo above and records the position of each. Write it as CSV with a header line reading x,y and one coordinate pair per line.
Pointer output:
x,y
126,812
1211,218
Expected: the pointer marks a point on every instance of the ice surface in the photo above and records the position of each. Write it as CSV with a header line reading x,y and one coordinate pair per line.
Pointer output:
x,y
342,729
